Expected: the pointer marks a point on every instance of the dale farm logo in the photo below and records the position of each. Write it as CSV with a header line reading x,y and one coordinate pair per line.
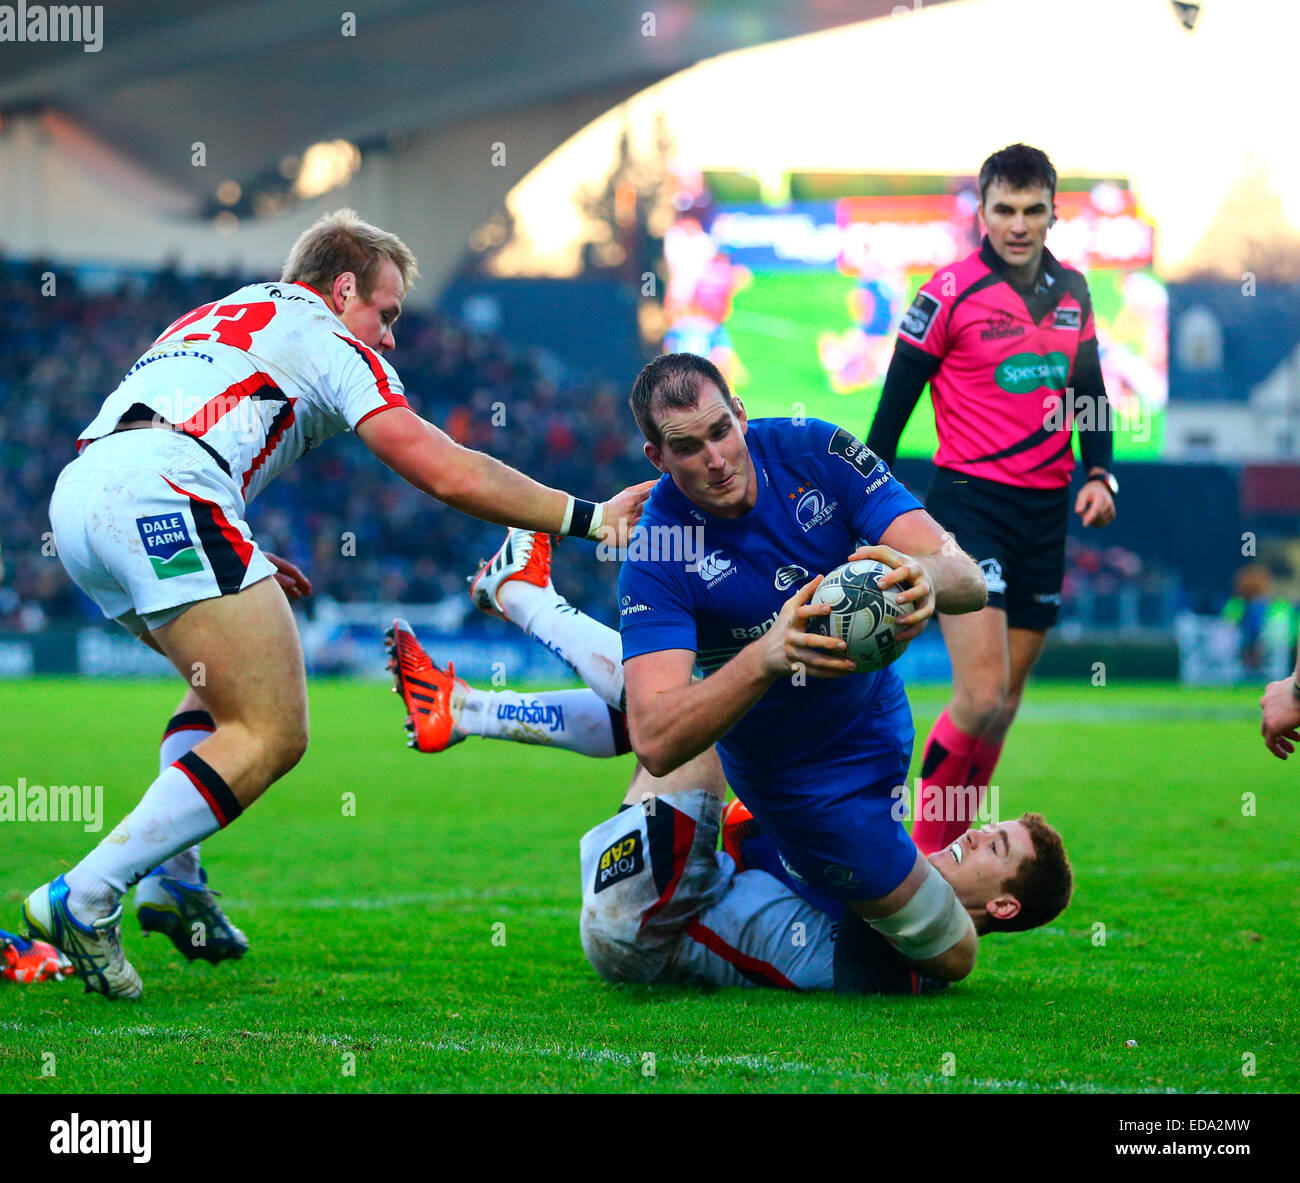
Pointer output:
x,y
1023,373
169,546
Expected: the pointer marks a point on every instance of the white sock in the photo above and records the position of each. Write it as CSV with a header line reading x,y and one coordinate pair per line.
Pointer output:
x,y
593,651
172,815
184,732
574,720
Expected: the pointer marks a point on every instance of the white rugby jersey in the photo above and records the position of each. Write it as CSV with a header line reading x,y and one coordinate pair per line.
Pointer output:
x,y
259,377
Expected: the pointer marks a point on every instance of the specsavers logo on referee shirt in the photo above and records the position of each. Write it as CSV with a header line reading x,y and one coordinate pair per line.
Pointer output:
x,y
1024,373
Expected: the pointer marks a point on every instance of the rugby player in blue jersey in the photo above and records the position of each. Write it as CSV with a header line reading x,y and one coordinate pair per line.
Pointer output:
x,y
814,754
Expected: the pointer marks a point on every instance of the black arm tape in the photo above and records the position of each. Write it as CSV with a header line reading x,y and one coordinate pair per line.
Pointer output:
x,y
583,512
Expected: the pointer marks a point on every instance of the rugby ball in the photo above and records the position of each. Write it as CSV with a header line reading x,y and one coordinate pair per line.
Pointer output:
x,y
861,613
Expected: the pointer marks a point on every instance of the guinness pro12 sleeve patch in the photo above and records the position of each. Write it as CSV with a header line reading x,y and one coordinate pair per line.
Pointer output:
x,y
920,316
853,451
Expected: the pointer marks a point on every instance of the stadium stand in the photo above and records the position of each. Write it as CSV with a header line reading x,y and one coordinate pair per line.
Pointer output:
x,y
364,536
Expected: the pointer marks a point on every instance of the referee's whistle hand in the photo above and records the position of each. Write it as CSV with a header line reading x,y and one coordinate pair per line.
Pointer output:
x,y
1094,504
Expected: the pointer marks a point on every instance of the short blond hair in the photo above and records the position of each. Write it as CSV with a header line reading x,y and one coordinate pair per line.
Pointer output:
x,y
341,242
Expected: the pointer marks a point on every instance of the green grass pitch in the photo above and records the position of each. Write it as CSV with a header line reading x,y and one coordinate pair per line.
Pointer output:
x,y
374,967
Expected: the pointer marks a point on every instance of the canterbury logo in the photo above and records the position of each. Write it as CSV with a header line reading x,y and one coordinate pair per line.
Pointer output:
x,y
713,565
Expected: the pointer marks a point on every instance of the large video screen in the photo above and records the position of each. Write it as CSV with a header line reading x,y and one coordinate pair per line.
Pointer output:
x,y
799,304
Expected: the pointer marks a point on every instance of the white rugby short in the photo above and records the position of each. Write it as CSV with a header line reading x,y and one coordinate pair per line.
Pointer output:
x,y
147,524
660,903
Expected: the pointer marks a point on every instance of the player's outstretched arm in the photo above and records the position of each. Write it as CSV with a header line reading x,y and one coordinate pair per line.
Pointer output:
x,y
481,486
671,719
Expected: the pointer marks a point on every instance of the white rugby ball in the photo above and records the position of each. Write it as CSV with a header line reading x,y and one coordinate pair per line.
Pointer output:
x,y
862,614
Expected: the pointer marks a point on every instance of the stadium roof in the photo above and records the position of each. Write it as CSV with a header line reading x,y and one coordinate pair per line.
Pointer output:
x,y
256,82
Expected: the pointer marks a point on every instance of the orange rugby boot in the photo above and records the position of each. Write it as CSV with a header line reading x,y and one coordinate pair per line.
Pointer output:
x,y
433,698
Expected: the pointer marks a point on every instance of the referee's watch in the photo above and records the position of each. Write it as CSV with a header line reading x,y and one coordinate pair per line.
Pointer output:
x,y
1107,479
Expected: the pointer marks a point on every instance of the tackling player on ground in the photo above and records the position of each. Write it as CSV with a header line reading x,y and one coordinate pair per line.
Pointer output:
x,y
149,522
660,902
1006,340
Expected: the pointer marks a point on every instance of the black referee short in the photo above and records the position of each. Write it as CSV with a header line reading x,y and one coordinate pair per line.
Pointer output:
x,y
1017,536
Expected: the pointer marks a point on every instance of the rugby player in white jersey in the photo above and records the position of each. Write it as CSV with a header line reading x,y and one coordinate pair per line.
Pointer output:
x,y
660,902
149,522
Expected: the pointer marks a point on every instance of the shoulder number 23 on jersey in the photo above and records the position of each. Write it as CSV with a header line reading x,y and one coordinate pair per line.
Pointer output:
x,y
236,323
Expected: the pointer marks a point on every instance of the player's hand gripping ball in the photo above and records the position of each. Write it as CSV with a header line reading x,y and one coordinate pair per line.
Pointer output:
x,y
862,615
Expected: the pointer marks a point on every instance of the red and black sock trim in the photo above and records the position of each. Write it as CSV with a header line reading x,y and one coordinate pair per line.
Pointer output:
x,y
622,741
207,780
189,721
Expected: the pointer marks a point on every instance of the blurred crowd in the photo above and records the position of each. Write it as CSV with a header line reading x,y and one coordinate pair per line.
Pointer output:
x,y
1264,615
1112,587
360,532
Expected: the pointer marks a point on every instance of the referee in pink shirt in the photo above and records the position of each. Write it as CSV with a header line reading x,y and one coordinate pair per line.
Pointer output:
x,y
1006,340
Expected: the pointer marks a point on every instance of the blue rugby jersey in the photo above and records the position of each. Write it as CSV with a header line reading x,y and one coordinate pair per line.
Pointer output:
x,y
820,492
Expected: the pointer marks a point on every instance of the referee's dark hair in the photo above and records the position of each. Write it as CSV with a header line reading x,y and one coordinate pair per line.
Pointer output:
x,y
1018,166
672,380
1042,884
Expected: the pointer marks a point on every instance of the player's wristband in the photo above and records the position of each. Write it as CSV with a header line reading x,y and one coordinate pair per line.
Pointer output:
x,y
582,518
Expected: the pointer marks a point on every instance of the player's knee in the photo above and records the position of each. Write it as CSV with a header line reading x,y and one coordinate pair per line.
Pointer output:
x,y
282,746
291,746
1006,715
983,706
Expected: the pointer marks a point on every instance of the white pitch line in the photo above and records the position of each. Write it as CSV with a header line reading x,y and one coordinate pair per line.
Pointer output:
x,y
1051,712
502,896
470,1045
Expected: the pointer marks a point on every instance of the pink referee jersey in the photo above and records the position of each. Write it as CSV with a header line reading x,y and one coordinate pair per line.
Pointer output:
x,y
258,378
1007,359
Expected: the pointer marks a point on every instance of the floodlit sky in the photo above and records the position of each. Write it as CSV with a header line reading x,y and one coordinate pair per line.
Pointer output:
x,y
1106,87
